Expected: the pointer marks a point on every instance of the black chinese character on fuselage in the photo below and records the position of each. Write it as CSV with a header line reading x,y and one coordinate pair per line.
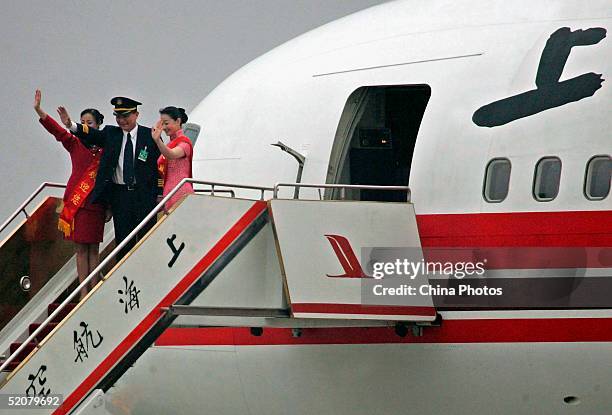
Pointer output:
x,y
549,92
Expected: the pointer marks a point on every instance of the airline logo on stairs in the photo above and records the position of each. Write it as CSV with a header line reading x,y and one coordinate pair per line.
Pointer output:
x,y
320,243
99,333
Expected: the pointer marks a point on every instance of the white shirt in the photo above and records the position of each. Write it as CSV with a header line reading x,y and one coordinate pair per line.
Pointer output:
x,y
118,174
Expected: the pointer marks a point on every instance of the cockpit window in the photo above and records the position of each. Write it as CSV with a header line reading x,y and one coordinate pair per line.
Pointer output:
x,y
547,179
497,180
597,180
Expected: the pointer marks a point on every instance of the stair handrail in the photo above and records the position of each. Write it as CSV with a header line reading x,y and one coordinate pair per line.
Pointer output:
x,y
27,202
342,188
114,252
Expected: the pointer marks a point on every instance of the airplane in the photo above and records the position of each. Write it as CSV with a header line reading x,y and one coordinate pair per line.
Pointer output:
x,y
479,132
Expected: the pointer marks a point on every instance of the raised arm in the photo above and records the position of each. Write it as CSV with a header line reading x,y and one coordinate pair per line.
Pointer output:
x,y
60,133
170,153
37,99
87,135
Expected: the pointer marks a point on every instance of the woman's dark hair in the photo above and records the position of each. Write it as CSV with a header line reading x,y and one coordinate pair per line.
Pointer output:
x,y
94,113
175,113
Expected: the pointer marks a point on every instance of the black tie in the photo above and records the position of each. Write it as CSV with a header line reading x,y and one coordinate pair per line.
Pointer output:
x,y
128,161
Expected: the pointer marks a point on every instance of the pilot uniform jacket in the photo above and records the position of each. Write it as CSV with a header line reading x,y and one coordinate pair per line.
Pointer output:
x,y
129,206
111,139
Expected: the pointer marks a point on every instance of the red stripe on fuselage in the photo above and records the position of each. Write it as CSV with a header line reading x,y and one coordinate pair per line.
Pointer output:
x,y
517,229
520,240
559,330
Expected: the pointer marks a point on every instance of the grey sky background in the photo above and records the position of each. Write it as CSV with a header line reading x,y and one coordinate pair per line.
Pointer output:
x,y
82,53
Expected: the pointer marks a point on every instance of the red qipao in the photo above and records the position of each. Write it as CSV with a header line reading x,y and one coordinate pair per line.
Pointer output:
x,y
173,171
80,220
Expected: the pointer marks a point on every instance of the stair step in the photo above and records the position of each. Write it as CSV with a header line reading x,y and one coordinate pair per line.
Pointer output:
x,y
44,331
67,309
11,366
25,352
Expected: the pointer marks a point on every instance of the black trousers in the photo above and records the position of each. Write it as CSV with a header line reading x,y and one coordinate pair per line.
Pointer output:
x,y
130,207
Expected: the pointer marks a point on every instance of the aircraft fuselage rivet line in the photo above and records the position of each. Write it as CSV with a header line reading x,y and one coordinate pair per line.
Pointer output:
x,y
399,64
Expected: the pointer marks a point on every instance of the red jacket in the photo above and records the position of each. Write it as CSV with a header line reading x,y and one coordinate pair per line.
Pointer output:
x,y
80,156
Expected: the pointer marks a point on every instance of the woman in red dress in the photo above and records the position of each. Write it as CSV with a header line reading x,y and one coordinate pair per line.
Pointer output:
x,y
175,161
81,221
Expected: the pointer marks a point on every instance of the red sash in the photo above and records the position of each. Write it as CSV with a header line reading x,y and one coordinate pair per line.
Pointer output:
x,y
162,162
77,197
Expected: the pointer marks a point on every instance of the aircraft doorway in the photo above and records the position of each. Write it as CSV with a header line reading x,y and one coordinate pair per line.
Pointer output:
x,y
375,140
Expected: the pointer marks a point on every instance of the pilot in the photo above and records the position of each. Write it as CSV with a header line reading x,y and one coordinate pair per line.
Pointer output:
x,y
127,177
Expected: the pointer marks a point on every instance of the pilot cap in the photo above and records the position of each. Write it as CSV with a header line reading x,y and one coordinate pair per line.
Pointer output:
x,y
124,105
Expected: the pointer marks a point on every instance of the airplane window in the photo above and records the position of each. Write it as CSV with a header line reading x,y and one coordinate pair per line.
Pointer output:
x,y
497,180
547,179
598,176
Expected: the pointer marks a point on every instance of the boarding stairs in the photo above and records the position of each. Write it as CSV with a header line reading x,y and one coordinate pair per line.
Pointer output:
x,y
38,268
81,350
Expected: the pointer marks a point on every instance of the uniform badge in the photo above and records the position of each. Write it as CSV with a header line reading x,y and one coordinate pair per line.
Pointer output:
x,y
142,156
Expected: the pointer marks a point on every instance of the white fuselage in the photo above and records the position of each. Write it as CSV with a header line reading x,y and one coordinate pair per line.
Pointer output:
x,y
469,54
